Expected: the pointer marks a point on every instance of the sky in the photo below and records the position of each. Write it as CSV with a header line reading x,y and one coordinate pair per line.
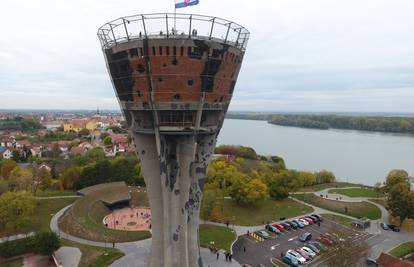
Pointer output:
x,y
303,55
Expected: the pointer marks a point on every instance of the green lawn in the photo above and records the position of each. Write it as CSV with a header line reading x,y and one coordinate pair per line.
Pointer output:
x,y
339,219
357,192
270,210
85,220
94,256
222,236
355,209
40,220
404,249
319,187
54,193
13,263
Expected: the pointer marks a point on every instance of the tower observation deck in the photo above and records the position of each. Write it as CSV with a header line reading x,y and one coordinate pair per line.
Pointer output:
x,y
174,76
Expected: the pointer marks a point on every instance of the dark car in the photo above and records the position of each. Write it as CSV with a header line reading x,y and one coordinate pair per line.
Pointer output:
x,y
394,228
262,234
384,226
305,237
371,261
292,224
318,245
286,226
290,261
314,218
319,217
273,229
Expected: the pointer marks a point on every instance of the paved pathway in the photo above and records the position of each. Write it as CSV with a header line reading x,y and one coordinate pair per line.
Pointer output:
x,y
136,253
68,256
15,237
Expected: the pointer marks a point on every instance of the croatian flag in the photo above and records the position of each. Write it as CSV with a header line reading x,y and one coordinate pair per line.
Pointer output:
x,y
185,3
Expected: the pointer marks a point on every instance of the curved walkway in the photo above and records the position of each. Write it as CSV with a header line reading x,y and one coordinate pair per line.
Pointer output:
x,y
137,252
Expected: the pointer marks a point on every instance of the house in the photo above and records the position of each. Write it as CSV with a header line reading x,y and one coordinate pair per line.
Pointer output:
x,y
77,125
86,145
77,150
36,151
386,260
45,166
119,138
23,143
7,154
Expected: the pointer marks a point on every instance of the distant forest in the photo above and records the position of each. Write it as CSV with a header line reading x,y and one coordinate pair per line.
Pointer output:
x,y
20,124
363,123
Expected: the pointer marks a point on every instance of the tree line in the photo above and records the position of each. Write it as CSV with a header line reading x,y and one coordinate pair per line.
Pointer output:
x,y
363,123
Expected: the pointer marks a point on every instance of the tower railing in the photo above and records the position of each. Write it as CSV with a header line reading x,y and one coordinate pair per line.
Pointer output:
x,y
173,25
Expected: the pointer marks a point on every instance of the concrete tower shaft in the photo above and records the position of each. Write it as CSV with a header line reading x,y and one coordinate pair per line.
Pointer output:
x,y
174,76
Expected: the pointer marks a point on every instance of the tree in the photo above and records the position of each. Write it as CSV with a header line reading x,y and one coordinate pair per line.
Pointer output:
x,y
47,243
44,179
107,141
248,192
16,209
345,251
278,192
70,177
307,178
400,201
6,167
324,176
21,179
208,202
395,177
83,132
137,179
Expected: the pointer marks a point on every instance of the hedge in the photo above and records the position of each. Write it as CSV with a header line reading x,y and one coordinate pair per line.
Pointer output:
x,y
43,243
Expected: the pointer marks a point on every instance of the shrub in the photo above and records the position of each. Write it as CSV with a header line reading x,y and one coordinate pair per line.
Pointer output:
x,y
43,243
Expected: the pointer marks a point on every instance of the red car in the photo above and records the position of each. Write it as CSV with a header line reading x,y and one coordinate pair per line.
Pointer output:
x,y
303,253
309,220
324,240
279,227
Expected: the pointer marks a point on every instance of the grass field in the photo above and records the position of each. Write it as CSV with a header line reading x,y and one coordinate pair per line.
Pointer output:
x,y
382,202
404,249
222,236
54,193
268,211
339,219
85,220
13,263
40,220
319,187
94,256
357,192
355,209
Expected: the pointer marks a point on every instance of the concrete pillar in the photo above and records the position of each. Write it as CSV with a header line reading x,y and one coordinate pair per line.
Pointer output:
x,y
174,184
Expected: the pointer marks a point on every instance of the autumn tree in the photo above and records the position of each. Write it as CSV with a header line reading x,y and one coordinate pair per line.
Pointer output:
x,y
21,179
70,177
7,166
324,176
107,141
16,209
345,251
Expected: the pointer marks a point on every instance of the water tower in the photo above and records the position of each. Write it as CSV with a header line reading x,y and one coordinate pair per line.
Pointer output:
x,y
174,76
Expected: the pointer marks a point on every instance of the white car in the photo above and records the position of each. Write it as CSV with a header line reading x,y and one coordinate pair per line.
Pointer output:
x,y
295,254
309,251
305,222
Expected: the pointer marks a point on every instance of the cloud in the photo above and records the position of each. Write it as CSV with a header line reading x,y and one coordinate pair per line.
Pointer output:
x,y
303,55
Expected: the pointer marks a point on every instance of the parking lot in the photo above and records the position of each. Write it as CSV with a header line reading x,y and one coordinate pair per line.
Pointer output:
x,y
248,250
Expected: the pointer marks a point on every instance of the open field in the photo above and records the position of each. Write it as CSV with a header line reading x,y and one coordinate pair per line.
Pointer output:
x,y
39,221
13,263
404,249
54,193
84,220
357,192
222,236
270,210
354,209
94,256
319,187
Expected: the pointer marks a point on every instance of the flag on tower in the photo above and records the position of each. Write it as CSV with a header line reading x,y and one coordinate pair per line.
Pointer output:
x,y
185,3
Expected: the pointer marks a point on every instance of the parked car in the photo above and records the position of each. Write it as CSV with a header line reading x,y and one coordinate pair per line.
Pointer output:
x,y
319,245
292,224
384,226
371,261
299,223
290,260
295,254
286,226
314,248
309,220
319,217
314,218
394,228
304,254
305,237
263,234
272,229
310,252
279,227
305,222
325,240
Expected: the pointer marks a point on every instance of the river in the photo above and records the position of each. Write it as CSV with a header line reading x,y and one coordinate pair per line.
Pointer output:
x,y
353,156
